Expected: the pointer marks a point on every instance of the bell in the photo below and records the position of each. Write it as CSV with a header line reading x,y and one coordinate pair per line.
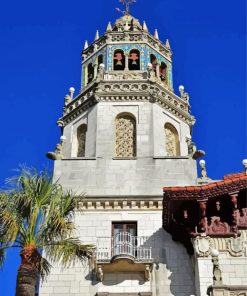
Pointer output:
x,y
119,63
134,62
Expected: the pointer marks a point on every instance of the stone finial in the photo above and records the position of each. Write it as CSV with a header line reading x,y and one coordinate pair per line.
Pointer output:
x,y
181,90
71,92
167,45
244,162
109,27
96,35
156,34
203,168
144,27
86,45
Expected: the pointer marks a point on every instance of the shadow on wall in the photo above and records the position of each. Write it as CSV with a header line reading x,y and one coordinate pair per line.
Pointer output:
x,y
172,274
173,271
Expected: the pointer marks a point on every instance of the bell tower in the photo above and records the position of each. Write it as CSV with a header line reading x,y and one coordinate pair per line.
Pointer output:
x,y
125,136
126,120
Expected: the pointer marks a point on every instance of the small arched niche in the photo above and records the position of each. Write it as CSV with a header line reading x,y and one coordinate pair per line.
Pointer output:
x,y
172,145
100,59
90,71
81,140
153,61
163,72
134,60
118,60
125,135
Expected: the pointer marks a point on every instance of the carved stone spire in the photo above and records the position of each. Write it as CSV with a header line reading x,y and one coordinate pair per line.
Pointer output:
x,y
167,45
109,27
86,45
144,27
96,35
156,34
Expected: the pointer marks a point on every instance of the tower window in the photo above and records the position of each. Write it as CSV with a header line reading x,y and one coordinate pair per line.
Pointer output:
x,y
163,72
134,60
100,59
81,139
125,136
153,61
119,60
171,140
90,72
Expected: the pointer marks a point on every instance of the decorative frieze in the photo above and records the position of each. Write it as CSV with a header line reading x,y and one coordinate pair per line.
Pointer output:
x,y
235,246
120,205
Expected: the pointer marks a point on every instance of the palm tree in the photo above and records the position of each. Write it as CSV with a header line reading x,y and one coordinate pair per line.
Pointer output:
x,y
36,215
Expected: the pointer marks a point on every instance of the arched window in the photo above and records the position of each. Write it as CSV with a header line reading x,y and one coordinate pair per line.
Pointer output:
x,y
81,140
134,60
153,61
125,136
171,140
90,72
163,72
119,60
100,59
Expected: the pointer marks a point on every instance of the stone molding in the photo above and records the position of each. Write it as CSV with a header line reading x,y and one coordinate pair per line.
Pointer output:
x,y
120,205
128,90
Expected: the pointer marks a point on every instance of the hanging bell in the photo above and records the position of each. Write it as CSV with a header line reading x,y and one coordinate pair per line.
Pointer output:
x,y
134,62
119,63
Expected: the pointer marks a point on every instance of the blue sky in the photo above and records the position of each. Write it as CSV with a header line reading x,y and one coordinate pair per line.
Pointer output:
x,y
40,47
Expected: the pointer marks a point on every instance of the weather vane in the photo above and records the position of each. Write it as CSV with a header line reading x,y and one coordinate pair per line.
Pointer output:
x,y
127,4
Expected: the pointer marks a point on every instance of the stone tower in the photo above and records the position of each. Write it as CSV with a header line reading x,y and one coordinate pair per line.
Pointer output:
x,y
125,136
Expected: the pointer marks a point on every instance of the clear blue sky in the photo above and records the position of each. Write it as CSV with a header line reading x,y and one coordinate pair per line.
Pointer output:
x,y
40,48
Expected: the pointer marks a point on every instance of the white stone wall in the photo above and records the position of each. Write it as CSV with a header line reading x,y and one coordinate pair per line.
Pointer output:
x,y
234,268
100,119
172,271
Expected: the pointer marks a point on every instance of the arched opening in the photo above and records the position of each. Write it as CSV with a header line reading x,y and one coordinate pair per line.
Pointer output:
x,y
163,72
90,72
119,60
81,140
172,145
153,61
100,59
134,60
125,131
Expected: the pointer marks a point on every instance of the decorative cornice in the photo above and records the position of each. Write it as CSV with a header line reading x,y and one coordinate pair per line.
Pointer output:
x,y
118,204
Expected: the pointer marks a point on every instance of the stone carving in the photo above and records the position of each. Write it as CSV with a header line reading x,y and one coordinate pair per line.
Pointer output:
x,y
235,246
58,151
203,246
125,136
81,138
217,278
217,227
100,73
171,143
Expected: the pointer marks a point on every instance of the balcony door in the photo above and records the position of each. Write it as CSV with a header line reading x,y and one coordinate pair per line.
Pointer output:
x,y
124,238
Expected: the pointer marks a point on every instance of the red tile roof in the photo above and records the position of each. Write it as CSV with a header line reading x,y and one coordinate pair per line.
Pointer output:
x,y
230,183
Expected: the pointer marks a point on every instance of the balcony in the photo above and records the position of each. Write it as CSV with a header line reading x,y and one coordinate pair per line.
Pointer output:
x,y
123,253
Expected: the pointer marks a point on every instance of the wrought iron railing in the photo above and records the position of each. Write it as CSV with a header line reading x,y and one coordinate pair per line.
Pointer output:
x,y
121,245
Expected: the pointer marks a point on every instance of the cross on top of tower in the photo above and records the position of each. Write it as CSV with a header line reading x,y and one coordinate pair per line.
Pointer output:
x,y
127,4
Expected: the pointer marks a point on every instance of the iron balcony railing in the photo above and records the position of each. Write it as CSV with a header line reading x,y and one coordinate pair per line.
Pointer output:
x,y
121,245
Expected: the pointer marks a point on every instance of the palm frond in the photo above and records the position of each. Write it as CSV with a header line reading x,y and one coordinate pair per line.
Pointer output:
x,y
2,256
45,268
68,251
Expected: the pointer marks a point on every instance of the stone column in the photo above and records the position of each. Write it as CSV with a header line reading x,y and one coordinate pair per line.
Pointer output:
x,y
126,62
158,71
235,211
203,218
